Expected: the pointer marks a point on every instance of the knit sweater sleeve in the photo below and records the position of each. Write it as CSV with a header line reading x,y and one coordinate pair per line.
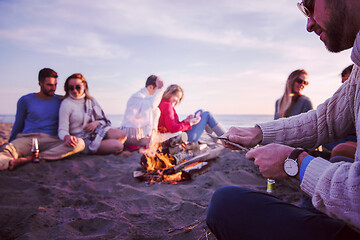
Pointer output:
x,y
19,118
334,188
332,120
64,119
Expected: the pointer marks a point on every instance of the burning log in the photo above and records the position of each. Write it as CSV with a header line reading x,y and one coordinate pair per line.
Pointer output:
x,y
155,171
213,153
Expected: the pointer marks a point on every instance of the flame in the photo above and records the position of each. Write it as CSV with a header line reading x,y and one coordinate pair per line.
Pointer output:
x,y
173,178
156,159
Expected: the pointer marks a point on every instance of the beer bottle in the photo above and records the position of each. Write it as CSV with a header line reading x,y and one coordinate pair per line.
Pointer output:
x,y
270,186
35,150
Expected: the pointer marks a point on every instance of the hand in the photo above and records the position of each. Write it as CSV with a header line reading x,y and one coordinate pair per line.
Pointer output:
x,y
159,82
90,127
247,137
188,118
70,140
195,120
270,160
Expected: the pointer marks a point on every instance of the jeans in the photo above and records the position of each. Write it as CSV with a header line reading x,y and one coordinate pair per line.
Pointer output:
x,y
195,132
240,213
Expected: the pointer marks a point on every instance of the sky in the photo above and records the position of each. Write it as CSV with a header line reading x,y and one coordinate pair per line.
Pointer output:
x,y
229,56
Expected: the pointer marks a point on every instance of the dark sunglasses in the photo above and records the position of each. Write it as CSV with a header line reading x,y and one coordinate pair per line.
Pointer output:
x,y
77,87
300,81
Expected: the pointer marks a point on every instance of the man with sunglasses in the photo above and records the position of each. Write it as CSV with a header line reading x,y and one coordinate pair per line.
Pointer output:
x,y
37,117
334,188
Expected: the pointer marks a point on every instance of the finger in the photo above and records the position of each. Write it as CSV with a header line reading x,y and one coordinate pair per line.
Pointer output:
x,y
251,155
228,145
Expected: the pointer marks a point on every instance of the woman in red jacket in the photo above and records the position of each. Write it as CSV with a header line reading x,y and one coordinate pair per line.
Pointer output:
x,y
193,125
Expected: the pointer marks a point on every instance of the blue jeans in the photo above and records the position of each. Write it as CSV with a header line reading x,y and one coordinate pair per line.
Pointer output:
x,y
240,213
195,132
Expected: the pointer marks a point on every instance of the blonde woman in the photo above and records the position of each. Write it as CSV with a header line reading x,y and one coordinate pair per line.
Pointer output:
x,y
80,116
293,102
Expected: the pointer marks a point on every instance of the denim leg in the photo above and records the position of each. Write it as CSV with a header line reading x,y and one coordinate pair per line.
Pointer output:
x,y
240,213
195,132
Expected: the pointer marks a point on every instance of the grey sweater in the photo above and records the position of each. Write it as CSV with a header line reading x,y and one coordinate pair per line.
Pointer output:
x,y
302,105
334,187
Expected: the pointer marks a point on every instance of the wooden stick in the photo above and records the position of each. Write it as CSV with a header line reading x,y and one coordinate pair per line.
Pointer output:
x,y
213,153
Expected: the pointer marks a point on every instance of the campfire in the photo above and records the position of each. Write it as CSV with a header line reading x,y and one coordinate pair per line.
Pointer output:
x,y
174,160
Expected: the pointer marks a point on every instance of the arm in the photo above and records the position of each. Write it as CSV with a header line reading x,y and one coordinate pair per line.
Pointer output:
x,y
64,120
172,123
334,188
331,120
64,125
19,118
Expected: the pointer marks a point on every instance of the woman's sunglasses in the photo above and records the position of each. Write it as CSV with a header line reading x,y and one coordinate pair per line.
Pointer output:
x,y
300,81
77,87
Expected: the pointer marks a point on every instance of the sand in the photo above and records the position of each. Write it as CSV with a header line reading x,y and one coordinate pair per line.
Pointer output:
x,y
96,197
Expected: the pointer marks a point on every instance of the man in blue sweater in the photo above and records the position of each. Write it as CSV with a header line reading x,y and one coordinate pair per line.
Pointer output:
x,y
37,117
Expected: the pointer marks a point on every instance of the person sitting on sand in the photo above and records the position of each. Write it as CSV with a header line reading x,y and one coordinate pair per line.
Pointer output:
x,y
37,117
193,125
292,101
81,117
240,213
142,113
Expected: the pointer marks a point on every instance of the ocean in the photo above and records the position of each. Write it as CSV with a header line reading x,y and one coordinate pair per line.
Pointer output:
x,y
240,120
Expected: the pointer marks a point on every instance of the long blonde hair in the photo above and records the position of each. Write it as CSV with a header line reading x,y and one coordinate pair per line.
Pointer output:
x,y
286,99
173,90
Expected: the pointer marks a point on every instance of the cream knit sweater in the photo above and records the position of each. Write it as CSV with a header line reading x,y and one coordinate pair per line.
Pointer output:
x,y
334,187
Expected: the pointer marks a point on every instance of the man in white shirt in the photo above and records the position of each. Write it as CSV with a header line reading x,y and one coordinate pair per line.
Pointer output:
x,y
142,112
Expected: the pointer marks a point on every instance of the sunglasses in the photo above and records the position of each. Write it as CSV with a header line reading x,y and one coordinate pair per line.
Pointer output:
x,y
305,10
77,87
300,81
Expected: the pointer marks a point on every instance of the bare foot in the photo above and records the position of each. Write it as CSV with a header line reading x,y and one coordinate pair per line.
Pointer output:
x,y
18,162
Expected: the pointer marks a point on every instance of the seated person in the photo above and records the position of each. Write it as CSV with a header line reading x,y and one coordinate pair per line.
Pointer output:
x,y
80,116
193,125
142,113
293,102
37,117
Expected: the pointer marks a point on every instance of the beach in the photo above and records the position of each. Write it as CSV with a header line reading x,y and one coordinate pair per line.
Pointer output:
x,y
97,197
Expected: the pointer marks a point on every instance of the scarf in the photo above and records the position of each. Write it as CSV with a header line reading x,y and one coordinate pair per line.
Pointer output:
x,y
93,112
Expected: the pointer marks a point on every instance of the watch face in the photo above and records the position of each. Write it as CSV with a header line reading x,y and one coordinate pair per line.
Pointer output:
x,y
291,167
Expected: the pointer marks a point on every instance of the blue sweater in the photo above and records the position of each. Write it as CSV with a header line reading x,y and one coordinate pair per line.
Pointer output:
x,y
34,115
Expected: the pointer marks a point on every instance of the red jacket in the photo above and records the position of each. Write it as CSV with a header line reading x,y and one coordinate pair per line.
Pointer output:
x,y
169,120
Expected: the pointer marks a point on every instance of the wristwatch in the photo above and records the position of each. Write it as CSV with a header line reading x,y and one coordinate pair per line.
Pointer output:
x,y
291,166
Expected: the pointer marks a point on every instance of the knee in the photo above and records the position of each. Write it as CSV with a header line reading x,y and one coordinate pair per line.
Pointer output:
x,y
205,114
344,149
118,146
224,199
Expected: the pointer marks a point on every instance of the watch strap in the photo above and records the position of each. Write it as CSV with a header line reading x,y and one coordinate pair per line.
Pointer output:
x,y
295,153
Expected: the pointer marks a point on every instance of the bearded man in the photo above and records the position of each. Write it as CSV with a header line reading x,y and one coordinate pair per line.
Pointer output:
x,y
37,117
333,186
